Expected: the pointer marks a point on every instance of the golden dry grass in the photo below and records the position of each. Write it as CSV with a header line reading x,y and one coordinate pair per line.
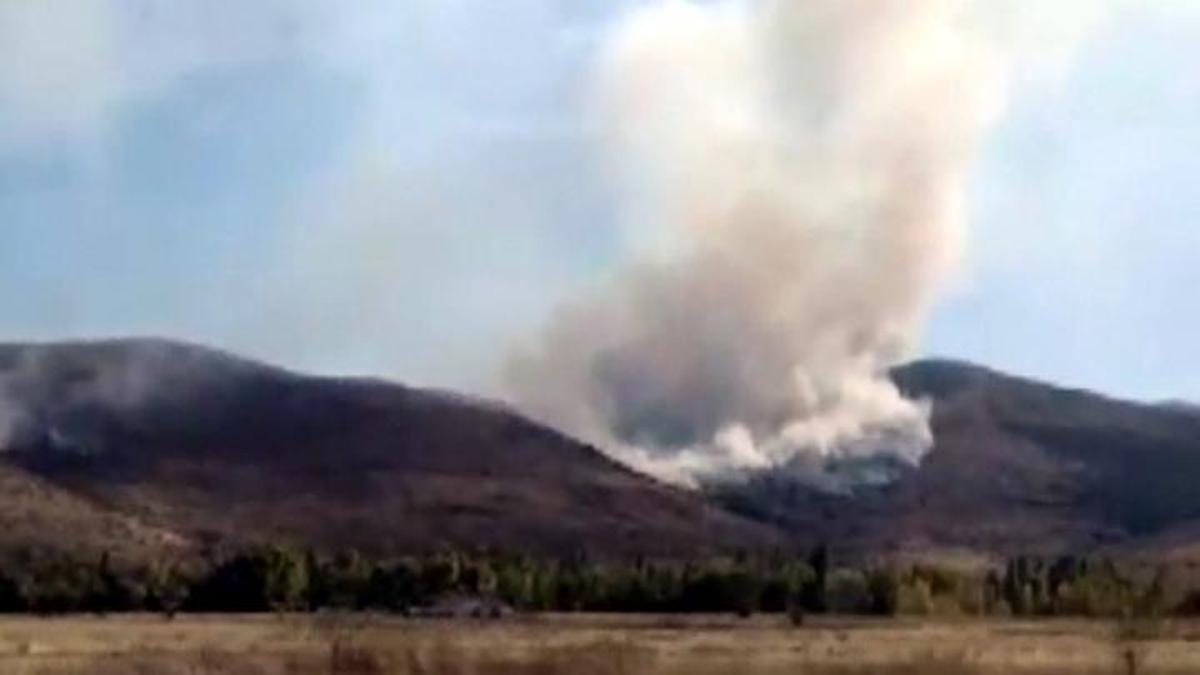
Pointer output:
x,y
583,645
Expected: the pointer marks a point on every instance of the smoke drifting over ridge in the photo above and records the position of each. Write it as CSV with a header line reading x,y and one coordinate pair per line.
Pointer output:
x,y
400,189
67,397
794,177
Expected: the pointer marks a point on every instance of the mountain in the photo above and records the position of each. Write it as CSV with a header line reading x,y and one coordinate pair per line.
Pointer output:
x,y
144,445
1017,465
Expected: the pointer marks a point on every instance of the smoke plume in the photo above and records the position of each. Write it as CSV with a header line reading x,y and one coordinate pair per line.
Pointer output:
x,y
793,176
66,397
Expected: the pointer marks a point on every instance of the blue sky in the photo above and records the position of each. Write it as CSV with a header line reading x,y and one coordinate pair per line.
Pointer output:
x,y
1086,222
404,188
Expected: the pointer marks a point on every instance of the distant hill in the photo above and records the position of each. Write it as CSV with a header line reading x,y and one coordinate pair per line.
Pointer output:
x,y
144,445
1018,465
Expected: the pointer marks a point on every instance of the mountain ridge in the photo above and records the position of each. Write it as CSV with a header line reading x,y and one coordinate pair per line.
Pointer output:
x,y
217,448
156,445
1018,465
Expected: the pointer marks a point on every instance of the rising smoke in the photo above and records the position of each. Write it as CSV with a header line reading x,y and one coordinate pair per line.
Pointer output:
x,y
69,397
793,175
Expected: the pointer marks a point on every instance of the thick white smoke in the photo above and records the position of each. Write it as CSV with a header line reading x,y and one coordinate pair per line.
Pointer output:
x,y
794,177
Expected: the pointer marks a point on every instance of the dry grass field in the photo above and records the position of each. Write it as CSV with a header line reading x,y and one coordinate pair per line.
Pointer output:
x,y
585,645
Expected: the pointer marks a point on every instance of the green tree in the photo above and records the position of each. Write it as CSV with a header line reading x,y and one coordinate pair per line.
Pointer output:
x,y
914,598
110,592
264,579
848,592
883,591
166,589
814,594
440,574
393,588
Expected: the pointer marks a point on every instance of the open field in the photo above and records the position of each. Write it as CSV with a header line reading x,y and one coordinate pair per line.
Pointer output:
x,y
585,645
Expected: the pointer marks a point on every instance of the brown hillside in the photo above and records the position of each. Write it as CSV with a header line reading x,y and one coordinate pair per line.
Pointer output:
x,y
1017,465
193,442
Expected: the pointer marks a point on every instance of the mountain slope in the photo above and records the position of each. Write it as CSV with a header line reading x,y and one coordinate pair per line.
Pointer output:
x,y
1017,465
209,448
1125,469
150,446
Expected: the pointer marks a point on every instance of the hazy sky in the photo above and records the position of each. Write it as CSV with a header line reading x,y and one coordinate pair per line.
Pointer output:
x,y
404,188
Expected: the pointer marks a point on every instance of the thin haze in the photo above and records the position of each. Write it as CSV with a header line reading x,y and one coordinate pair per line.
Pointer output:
x,y
410,188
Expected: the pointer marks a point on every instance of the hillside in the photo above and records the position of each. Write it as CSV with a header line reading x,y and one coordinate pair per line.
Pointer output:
x,y
1018,465
188,447
146,446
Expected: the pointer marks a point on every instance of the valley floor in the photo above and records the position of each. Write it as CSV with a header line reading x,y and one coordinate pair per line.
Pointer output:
x,y
587,645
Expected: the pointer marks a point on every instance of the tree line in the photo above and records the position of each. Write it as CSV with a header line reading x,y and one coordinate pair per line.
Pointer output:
x,y
280,579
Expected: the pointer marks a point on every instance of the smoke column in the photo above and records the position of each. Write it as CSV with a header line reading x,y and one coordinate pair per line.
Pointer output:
x,y
793,176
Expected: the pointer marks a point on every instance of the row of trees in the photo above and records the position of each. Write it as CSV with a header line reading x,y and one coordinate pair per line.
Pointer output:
x,y
279,579
1079,586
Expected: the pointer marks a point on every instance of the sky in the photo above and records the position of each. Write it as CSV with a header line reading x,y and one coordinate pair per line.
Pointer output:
x,y
408,188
